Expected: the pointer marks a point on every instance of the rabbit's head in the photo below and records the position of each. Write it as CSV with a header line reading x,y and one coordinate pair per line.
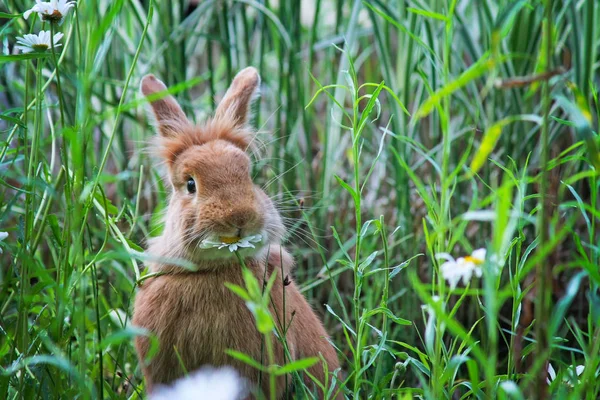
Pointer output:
x,y
213,197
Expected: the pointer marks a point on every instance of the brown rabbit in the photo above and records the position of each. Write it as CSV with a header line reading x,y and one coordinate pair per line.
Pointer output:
x,y
192,313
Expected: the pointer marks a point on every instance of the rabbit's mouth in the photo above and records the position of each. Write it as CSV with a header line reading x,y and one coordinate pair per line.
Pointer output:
x,y
217,247
229,239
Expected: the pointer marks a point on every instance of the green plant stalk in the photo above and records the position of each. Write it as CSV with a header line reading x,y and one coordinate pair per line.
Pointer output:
x,y
78,150
294,89
64,269
98,329
386,290
357,216
271,355
332,137
590,47
543,272
21,331
31,196
404,198
61,101
400,118
268,341
281,140
438,364
14,345
595,255
117,118
284,326
44,217
63,151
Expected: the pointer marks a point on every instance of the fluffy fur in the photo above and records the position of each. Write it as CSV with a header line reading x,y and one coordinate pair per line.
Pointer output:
x,y
193,313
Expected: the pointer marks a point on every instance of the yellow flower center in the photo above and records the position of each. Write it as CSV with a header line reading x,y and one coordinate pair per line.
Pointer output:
x,y
39,47
476,261
56,16
229,239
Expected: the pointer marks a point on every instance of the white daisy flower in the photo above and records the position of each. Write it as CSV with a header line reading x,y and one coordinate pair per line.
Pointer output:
x,y
40,42
53,11
3,235
462,268
232,243
206,383
552,374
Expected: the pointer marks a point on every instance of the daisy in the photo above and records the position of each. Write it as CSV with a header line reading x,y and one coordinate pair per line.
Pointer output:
x,y
462,268
3,235
552,374
53,11
206,383
233,243
40,42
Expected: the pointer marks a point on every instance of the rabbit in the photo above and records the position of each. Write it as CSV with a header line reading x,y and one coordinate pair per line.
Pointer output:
x,y
193,315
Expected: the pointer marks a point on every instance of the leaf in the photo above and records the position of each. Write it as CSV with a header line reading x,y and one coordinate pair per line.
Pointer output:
x,y
346,186
368,261
20,57
541,64
365,228
505,21
134,245
264,322
56,232
452,368
595,306
562,306
375,354
491,136
581,116
373,100
105,203
402,265
6,15
388,313
121,336
12,120
476,70
428,14
297,366
402,28
245,359
240,291
252,285
330,310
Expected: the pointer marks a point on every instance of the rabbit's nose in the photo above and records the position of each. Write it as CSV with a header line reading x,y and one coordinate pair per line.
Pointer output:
x,y
241,218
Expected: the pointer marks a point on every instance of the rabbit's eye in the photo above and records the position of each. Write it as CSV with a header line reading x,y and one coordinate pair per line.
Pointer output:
x,y
191,185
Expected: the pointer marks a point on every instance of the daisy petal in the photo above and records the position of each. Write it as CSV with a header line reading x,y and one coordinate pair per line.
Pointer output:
x,y
444,256
551,372
479,254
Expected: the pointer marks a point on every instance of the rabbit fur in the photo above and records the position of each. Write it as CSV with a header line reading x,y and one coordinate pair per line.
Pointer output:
x,y
192,313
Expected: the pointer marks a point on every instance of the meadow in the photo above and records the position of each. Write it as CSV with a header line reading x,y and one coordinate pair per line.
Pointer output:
x,y
398,139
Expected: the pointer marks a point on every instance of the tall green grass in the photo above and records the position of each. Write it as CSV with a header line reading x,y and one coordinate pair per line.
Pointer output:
x,y
393,131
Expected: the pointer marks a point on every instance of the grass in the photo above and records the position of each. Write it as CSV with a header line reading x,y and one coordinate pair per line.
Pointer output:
x,y
394,131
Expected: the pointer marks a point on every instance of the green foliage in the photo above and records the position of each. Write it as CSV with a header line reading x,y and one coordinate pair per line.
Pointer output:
x,y
395,135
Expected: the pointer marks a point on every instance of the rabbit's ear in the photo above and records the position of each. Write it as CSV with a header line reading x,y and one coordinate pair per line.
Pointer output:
x,y
236,102
169,115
